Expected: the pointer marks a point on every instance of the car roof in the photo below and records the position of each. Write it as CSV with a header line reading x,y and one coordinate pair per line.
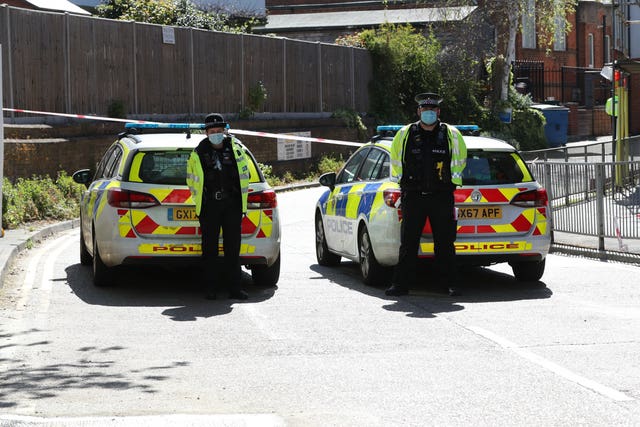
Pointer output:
x,y
472,143
163,141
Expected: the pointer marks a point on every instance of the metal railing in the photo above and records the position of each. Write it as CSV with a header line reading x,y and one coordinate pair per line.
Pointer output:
x,y
591,196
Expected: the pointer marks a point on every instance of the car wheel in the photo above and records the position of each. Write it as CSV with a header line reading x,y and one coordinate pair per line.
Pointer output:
x,y
528,271
102,275
266,276
85,256
323,255
373,273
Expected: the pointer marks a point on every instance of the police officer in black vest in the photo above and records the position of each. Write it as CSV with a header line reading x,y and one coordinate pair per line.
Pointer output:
x,y
217,175
427,157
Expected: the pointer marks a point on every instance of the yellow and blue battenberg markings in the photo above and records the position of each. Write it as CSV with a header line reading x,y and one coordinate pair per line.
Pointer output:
x,y
350,206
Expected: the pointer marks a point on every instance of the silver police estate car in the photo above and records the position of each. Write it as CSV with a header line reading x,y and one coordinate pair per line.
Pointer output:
x,y
503,212
137,208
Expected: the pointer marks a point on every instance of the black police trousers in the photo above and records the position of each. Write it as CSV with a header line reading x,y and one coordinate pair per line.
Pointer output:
x,y
416,208
221,271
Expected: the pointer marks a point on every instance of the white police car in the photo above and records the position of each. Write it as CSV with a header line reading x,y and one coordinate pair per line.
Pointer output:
x,y
503,212
137,208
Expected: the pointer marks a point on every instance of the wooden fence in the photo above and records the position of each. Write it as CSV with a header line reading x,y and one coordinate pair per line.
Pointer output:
x,y
81,65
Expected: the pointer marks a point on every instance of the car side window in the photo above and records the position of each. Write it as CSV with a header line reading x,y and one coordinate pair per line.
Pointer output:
x,y
111,167
369,168
103,162
382,169
348,173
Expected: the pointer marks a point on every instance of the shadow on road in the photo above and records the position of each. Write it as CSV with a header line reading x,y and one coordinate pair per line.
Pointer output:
x,y
177,289
93,369
477,285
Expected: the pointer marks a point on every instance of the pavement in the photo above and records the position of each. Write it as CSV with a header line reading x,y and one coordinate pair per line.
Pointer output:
x,y
15,241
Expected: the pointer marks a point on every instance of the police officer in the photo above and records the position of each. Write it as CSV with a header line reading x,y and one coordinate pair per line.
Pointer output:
x,y
218,177
427,157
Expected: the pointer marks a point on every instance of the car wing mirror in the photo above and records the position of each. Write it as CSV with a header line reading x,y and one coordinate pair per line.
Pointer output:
x,y
328,180
83,176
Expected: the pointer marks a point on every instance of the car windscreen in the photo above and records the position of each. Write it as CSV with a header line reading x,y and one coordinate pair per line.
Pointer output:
x,y
494,167
170,167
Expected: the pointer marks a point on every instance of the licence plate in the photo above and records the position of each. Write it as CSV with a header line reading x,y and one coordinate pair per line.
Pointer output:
x,y
480,212
182,214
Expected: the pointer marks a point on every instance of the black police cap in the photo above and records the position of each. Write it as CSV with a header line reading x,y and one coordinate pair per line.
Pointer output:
x,y
214,120
428,99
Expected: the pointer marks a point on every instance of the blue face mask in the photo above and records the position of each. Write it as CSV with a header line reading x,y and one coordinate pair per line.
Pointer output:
x,y
428,117
216,138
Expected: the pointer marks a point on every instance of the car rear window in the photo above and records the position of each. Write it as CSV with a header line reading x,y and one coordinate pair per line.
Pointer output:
x,y
170,167
494,167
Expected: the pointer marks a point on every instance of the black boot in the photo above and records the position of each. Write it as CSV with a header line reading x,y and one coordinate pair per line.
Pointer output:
x,y
396,291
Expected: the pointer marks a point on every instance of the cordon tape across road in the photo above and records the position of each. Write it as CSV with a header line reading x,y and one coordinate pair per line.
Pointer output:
x,y
234,131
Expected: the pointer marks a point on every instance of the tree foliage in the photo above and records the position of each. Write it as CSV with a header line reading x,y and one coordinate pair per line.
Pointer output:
x,y
404,64
182,13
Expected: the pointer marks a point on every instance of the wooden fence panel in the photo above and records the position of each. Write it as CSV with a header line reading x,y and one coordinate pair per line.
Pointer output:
x,y
74,64
264,62
218,71
38,59
101,65
363,75
303,85
163,70
337,78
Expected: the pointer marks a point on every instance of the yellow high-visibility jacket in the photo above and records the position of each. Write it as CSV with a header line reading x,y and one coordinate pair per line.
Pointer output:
x,y
457,148
195,175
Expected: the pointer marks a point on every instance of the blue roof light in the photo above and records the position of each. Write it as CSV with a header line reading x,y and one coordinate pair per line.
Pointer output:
x,y
164,126
386,128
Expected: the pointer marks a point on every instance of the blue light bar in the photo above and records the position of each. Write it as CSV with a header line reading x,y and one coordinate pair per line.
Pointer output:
x,y
395,128
468,128
386,128
164,126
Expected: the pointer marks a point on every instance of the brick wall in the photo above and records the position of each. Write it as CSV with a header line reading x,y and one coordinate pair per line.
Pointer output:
x,y
46,150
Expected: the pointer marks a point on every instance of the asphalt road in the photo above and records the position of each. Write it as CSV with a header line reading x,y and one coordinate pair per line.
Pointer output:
x,y
320,349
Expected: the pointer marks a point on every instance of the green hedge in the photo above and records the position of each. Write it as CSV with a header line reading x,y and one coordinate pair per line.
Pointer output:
x,y
38,199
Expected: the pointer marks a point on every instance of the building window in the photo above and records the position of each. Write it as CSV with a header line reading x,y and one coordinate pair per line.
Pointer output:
x,y
560,35
607,50
529,26
590,52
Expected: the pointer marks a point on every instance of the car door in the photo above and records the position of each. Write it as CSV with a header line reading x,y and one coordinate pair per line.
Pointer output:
x,y
360,196
94,198
337,227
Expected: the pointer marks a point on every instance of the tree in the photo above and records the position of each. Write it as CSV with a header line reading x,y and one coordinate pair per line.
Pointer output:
x,y
182,13
548,16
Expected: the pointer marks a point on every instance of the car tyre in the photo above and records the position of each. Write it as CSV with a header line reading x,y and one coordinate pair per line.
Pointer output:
x,y
102,275
85,256
323,255
266,276
530,271
373,274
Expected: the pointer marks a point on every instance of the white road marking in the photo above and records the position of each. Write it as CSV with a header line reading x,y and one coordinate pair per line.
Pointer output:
x,y
551,366
60,244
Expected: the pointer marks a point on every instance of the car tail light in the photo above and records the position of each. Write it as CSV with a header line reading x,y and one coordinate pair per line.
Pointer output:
x,y
262,200
119,198
531,199
391,197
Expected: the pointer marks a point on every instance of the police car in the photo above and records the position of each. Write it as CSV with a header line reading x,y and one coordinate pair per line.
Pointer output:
x,y
137,208
503,212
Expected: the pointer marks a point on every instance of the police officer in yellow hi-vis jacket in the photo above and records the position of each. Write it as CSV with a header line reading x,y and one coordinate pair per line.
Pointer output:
x,y
218,177
427,158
